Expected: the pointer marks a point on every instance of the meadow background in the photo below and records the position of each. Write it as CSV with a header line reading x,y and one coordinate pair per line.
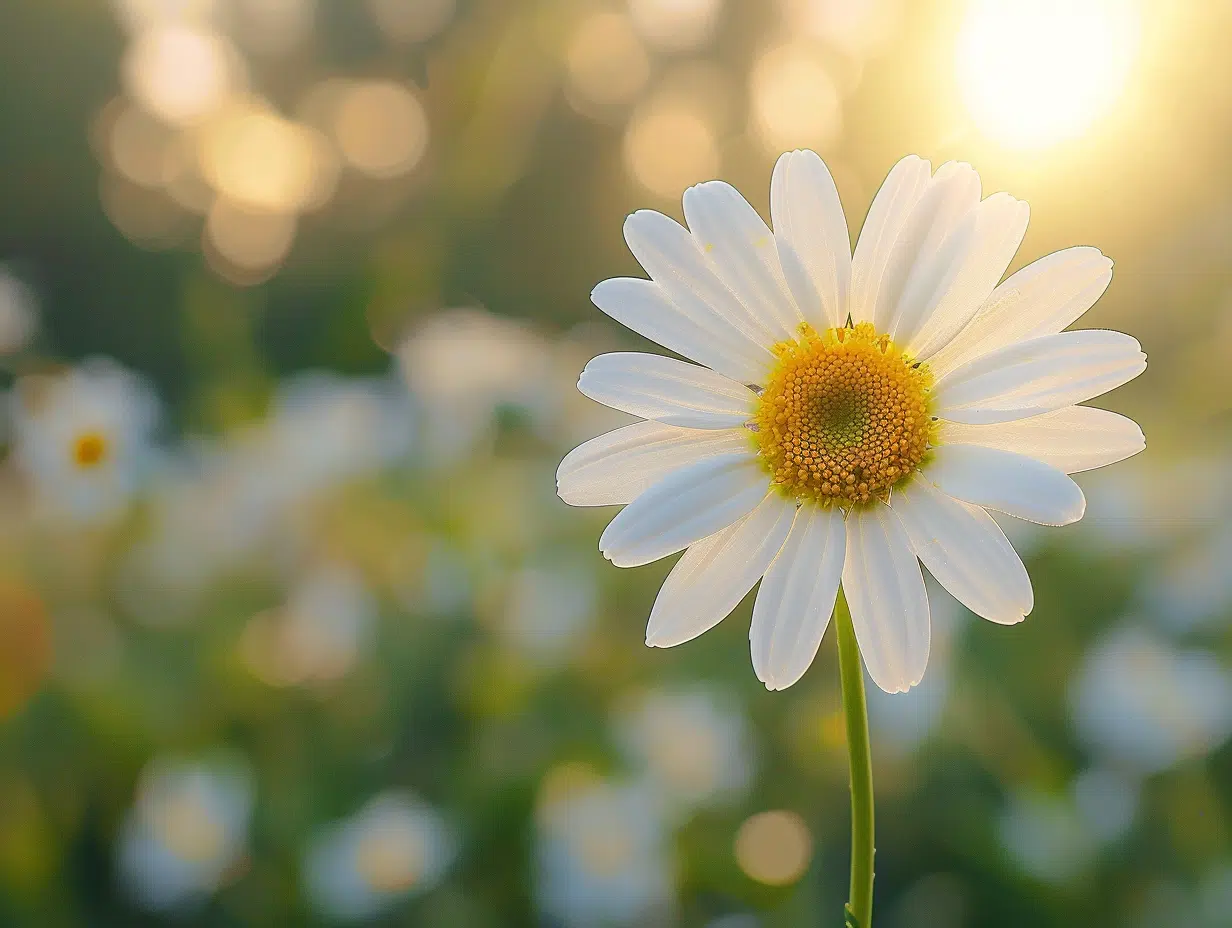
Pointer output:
x,y
317,644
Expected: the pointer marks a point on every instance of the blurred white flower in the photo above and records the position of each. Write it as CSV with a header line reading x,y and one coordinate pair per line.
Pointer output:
x,y
1053,837
602,856
217,504
318,635
465,365
548,609
1044,837
18,312
1143,704
1106,801
446,581
394,848
187,828
325,429
1190,586
692,744
83,437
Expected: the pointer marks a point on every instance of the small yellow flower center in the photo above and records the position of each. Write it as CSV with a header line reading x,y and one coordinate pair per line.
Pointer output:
x,y
389,860
843,417
89,450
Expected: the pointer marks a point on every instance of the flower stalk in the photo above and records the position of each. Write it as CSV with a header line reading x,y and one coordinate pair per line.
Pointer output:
x,y
859,909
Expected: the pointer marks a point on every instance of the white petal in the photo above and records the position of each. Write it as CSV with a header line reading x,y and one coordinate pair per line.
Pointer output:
x,y
615,468
644,307
889,605
811,232
890,209
1007,482
1071,439
684,507
966,551
715,573
1039,375
1000,224
928,281
667,390
672,257
796,598
941,210
1041,299
743,252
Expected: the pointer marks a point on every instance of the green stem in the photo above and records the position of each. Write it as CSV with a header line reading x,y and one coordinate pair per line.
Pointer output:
x,y
851,673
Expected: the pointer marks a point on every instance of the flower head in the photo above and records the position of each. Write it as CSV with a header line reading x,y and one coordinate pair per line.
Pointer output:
x,y
187,828
393,848
849,415
83,438
602,852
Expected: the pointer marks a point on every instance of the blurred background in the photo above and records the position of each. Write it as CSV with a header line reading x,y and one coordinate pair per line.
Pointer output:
x,y
293,629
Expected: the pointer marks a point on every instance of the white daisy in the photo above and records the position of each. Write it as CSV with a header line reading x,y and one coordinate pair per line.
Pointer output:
x,y
603,853
83,438
392,849
849,415
187,829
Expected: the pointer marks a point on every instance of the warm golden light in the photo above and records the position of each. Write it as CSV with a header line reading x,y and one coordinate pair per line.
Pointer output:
x,y
794,99
676,25
668,146
181,75
248,238
606,62
1036,72
411,20
254,157
381,128
774,847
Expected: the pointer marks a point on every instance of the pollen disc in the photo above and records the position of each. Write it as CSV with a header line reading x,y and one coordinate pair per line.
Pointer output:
x,y
843,417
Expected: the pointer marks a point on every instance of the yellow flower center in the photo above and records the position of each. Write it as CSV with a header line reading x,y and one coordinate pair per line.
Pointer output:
x,y
89,449
843,417
390,860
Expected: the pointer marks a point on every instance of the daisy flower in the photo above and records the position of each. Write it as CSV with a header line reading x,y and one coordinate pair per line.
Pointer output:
x,y
83,438
848,415
187,830
392,849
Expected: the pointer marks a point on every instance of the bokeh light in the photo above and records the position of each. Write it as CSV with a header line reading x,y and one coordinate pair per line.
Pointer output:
x,y
411,20
181,74
1036,72
676,25
669,145
774,847
795,100
606,61
255,158
250,238
381,128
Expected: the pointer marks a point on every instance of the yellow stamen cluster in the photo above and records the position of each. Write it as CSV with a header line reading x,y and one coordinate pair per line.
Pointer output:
x,y
89,450
843,417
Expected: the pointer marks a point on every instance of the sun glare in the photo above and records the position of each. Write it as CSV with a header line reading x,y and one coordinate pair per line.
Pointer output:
x,y
1037,72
